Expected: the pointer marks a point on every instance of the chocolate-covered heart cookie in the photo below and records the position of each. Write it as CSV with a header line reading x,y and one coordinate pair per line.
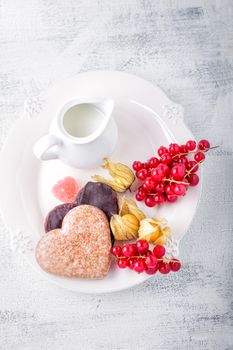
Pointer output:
x,y
55,217
81,248
101,196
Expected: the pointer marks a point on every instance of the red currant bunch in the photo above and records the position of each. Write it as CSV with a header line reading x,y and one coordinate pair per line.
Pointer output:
x,y
167,177
138,257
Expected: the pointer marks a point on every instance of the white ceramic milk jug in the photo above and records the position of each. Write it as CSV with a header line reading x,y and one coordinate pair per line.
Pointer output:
x,y
81,134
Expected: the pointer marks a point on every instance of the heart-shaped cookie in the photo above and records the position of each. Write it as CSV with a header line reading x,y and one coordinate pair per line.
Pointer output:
x,y
101,196
81,248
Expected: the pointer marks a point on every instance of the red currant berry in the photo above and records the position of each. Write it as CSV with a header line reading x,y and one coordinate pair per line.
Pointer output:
x,y
204,145
142,174
162,150
142,192
199,157
131,262
192,165
144,187
122,263
183,149
137,165
135,248
166,158
169,189
153,162
149,183
193,179
191,145
128,250
177,172
179,189
175,265
159,251
149,253
139,197
182,161
149,201
164,267
171,198
151,261
157,174
160,187
116,250
142,246
139,266
152,270
159,198
146,165
174,149
165,168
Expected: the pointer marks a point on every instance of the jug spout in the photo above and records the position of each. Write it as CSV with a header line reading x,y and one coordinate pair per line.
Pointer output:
x,y
107,106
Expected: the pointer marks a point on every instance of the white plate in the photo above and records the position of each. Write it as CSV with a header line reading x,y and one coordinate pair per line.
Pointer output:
x,y
146,119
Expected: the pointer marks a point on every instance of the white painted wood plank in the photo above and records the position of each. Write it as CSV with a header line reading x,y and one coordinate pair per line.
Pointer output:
x,y
186,47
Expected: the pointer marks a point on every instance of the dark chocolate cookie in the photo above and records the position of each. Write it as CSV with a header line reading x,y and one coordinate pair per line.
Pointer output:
x,y
55,217
99,195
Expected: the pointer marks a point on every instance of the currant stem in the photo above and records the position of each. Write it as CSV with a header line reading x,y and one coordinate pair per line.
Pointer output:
x,y
190,171
177,182
181,154
144,257
186,153
214,147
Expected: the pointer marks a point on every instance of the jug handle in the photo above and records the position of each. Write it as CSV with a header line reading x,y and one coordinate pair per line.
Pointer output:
x,y
42,148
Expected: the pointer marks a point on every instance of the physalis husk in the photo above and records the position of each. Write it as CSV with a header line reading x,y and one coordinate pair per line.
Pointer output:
x,y
154,230
123,177
125,226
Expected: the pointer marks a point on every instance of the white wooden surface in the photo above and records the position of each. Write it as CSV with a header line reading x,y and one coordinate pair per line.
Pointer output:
x,y
186,47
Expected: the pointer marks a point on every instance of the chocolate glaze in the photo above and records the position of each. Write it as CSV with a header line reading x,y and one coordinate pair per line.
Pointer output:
x,y
99,195
55,217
